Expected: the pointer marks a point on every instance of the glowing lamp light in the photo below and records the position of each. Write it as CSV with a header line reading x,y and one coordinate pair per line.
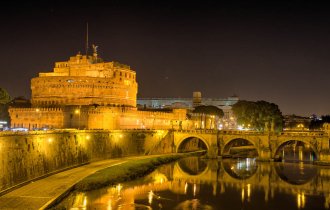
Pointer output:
x,y
120,135
77,111
88,137
50,140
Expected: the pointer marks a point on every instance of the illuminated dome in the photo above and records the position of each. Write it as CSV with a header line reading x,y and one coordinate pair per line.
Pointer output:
x,y
85,80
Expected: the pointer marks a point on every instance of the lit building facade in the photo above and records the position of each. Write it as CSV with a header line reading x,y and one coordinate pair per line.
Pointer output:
x,y
225,104
87,93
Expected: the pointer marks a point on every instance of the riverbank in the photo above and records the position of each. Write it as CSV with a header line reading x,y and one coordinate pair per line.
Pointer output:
x,y
39,194
127,171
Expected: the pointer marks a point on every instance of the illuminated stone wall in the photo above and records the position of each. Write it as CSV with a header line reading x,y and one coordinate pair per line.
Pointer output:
x,y
29,155
32,118
97,117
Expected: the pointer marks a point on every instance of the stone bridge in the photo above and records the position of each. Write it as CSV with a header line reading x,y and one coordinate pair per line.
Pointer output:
x,y
267,144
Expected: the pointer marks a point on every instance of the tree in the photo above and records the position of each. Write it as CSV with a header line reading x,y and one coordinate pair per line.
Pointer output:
x,y
211,113
4,105
260,115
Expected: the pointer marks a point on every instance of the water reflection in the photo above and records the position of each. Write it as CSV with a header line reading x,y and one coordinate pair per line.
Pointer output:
x,y
195,183
240,168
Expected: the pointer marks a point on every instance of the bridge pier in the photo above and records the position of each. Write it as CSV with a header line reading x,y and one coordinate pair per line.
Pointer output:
x,y
265,154
212,152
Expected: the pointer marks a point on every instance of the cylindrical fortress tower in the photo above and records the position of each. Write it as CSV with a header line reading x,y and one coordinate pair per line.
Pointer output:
x,y
85,80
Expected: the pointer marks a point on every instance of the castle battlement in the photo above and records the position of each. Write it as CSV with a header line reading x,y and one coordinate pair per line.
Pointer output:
x,y
37,109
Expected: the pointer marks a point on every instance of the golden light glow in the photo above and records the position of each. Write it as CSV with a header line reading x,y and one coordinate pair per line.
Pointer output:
x,y
160,178
109,207
88,137
150,196
77,111
243,194
300,126
127,82
50,140
37,110
195,189
301,200
185,188
119,187
85,203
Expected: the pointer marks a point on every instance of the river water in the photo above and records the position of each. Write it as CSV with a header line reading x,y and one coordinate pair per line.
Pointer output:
x,y
229,184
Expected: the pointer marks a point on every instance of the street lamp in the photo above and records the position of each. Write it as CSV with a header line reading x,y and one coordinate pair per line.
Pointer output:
x,y
38,123
77,111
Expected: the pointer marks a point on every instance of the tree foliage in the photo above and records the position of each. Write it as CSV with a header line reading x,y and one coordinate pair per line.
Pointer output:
x,y
4,104
209,110
260,115
206,112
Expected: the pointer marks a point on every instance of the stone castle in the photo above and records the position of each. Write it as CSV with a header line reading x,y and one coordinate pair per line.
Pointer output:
x,y
86,92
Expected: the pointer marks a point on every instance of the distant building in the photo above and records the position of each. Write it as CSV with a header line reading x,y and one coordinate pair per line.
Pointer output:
x,y
225,104
294,122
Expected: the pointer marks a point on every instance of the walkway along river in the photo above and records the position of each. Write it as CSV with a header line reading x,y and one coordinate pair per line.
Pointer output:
x,y
229,184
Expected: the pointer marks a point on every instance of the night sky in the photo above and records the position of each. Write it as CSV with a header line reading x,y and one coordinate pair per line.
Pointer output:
x,y
275,51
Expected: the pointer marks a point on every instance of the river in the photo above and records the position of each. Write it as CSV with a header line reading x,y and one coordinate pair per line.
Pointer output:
x,y
229,184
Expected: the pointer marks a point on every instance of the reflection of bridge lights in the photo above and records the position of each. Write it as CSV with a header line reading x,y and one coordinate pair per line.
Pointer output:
x,y
109,207
301,200
248,192
84,203
159,178
150,196
185,188
119,187
195,189
242,194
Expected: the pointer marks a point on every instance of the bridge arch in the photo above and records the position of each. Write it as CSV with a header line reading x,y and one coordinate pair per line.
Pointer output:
x,y
184,140
294,174
240,169
193,166
246,143
301,142
180,172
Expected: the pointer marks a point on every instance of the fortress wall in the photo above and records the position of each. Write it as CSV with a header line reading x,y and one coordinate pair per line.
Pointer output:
x,y
25,156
